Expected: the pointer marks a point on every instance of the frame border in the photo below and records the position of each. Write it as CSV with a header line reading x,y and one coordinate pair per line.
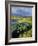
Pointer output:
x,y
6,29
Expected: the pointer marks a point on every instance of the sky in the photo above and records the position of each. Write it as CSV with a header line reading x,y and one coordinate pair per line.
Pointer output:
x,y
21,11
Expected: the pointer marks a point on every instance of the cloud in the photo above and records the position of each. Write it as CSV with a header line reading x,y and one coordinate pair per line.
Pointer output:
x,y
21,11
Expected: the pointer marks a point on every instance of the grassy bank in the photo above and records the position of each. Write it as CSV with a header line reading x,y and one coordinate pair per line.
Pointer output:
x,y
22,20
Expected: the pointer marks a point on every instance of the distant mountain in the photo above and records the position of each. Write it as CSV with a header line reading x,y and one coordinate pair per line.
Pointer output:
x,y
21,15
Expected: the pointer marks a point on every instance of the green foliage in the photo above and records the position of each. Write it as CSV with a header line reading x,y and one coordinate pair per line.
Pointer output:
x,y
26,34
19,26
